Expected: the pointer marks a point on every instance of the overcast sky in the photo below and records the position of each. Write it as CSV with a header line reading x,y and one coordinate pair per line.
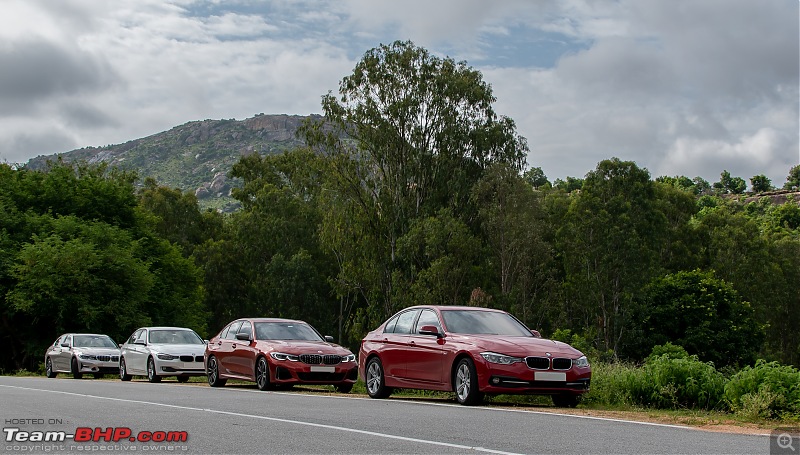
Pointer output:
x,y
680,87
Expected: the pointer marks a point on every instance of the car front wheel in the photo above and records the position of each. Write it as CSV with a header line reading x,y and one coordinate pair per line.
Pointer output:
x,y
465,383
212,372
48,368
123,371
262,374
152,375
376,385
76,369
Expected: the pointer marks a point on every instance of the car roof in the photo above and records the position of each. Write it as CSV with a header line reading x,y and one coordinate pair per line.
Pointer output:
x,y
270,320
454,307
87,334
165,328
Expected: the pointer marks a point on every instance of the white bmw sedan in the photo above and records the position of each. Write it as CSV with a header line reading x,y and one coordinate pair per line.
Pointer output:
x,y
156,352
80,353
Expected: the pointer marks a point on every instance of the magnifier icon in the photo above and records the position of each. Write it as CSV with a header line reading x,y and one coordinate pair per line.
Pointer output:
x,y
784,441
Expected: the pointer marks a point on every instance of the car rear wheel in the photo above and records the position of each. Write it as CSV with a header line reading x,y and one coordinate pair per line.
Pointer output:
x,y
376,385
262,374
345,387
183,378
76,370
48,368
212,372
123,371
566,400
152,375
465,383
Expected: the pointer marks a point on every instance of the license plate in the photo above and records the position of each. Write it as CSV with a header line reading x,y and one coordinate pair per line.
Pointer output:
x,y
315,369
549,376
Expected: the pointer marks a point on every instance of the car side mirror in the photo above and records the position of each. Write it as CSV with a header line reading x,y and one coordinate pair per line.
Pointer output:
x,y
536,333
205,341
64,345
243,336
329,338
431,330
140,342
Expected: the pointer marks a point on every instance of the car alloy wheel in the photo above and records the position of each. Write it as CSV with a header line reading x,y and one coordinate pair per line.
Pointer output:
x,y
76,369
48,368
262,374
151,371
376,386
123,371
212,372
465,383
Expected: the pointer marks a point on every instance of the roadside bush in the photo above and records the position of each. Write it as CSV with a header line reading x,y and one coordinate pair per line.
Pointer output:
x,y
675,383
766,390
611,384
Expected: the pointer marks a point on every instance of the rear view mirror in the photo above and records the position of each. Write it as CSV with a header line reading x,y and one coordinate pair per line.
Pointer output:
x,y
243,336
431,330
536,333
329,338
64,345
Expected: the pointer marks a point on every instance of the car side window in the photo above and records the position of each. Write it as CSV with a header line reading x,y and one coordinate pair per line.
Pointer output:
x,y
389,327
139,337
245,328
405,321
67,340
427,317
234,328
57,343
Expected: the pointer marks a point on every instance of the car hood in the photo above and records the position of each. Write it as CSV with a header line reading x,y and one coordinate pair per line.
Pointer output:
x,y
97,351
178,349
303,347
518,346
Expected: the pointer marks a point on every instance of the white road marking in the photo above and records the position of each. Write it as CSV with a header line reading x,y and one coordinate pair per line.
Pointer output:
x,y
274,419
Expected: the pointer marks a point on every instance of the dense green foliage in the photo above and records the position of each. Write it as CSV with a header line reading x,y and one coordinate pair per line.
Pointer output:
x,y
413,190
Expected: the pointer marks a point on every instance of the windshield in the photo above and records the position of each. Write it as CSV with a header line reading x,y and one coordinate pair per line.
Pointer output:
x,y
286,331
478,322
174,337
93,341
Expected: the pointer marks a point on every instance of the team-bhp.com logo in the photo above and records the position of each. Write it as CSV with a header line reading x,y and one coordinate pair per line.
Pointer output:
x,y
86,434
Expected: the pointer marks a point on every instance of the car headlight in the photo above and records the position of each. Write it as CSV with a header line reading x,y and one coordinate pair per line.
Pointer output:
x,y
348,358
502,359
166,356
581,362
282,356
87,357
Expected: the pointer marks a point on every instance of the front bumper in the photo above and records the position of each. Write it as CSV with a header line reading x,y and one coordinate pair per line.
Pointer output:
x,y
300,373
519,379
192,366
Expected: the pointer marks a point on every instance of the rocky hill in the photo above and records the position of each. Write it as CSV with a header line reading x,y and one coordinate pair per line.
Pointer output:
x,y
195,156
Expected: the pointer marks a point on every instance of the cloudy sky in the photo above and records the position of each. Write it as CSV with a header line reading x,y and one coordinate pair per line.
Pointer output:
x,y
689,87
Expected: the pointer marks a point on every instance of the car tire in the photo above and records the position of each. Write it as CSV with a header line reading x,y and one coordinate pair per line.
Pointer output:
x,y
465,383
152,375
566,400
262,374
375,379
48,368
212,372
123,371
75,369
182,379
344,387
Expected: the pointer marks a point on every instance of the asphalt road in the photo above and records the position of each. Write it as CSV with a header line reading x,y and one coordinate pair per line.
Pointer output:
x,y
244,420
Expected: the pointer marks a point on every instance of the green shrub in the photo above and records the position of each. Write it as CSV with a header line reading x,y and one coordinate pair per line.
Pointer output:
x,y
611,384
674,383
766,390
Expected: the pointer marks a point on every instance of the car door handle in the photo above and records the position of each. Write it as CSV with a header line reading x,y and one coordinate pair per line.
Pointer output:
x,y
412,343
234,346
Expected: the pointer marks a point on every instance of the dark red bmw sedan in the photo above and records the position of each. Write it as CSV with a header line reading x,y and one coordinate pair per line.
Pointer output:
x,y
470,351
278,353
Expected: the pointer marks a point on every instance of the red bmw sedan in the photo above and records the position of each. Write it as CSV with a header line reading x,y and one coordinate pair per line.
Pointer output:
x,y
470,351
278,353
